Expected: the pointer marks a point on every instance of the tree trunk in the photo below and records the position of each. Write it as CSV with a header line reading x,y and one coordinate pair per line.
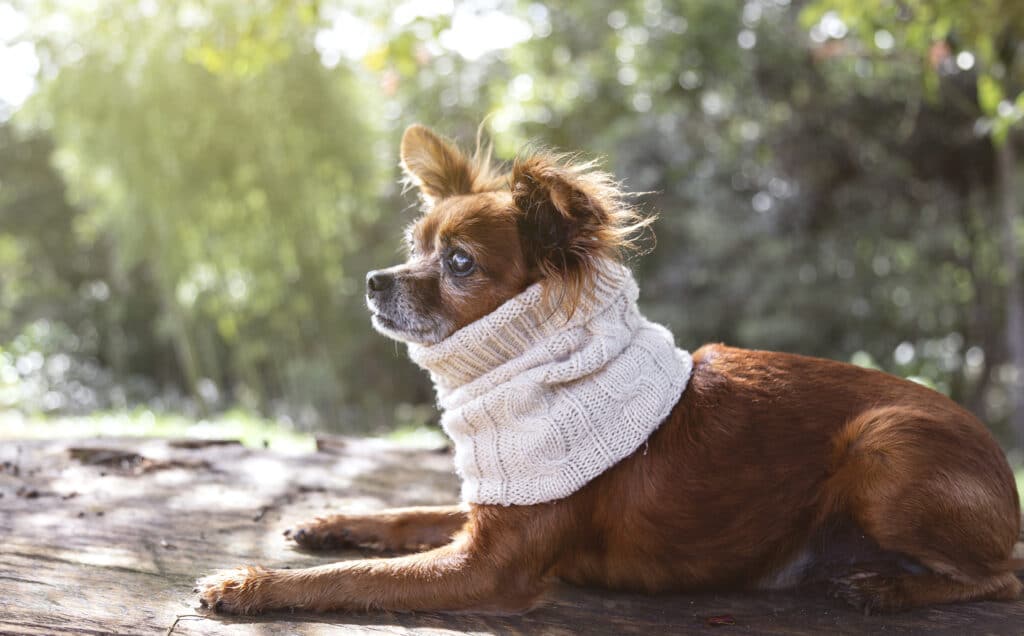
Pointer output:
x,y
1014,294
181,339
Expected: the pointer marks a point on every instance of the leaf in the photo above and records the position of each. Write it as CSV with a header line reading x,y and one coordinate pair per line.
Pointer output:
x,y
990,93
1000,130
719,621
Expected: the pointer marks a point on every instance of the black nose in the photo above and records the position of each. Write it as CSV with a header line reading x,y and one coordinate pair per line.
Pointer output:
x,y
378,281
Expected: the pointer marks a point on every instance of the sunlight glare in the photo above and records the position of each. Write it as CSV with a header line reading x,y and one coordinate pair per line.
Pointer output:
x,y
474,34
18,60
348,37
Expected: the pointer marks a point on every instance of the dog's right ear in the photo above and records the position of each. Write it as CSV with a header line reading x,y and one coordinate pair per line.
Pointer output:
x,y
434,165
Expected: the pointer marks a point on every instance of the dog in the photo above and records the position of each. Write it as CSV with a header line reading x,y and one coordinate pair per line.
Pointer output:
x,y
762,470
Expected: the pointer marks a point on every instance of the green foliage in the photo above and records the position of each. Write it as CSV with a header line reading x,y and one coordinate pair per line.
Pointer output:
x,y
937,33
211,148
950,45
818,172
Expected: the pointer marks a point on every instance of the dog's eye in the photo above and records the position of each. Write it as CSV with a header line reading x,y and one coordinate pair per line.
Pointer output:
x,y
460,263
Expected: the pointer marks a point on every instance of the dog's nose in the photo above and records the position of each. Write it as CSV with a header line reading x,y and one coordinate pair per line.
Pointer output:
x,y
378,281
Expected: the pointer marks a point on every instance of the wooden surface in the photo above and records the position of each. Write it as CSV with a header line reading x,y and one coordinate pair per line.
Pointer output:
x,y
111,540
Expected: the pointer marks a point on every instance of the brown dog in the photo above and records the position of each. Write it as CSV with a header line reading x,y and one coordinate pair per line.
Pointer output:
x,y
770,471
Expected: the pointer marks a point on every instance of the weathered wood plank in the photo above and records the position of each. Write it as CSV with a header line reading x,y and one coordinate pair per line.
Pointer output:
x,y
105,542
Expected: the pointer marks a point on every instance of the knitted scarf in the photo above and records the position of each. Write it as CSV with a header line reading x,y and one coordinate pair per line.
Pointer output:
x,y
538,404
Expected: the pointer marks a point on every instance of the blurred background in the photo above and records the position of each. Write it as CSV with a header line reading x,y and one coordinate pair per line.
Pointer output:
x,y
191,192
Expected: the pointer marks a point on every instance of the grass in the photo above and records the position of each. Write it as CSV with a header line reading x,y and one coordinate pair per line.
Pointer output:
x,y
251,430
418,437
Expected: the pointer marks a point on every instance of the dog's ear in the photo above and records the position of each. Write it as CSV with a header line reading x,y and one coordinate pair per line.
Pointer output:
x,y
571,217
433,164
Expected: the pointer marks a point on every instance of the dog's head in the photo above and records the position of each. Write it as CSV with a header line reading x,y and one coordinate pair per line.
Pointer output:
x,y
486,235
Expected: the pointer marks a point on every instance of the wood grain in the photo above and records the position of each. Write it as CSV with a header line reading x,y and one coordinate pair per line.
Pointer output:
x,y
102,547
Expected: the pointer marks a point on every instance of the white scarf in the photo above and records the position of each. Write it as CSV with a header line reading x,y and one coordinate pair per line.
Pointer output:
x,y
538,404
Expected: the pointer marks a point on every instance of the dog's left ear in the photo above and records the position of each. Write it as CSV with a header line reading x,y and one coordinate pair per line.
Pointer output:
x,y
571,217
436,166
558,222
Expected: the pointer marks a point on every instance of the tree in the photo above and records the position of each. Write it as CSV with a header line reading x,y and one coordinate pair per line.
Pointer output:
x,y
984,40
821,188
212,147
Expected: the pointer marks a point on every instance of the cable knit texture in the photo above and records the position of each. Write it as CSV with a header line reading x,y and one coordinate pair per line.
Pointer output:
x,y
538,404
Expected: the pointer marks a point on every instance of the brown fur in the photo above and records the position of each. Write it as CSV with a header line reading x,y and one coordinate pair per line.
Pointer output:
x,y
772,470
568,216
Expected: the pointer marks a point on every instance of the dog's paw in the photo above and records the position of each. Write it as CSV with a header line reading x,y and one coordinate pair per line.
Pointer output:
x,y
322,534
869,592
244,590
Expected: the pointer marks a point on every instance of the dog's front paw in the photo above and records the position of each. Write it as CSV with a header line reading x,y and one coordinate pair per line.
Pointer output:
x,y
323,533
244,590
869,592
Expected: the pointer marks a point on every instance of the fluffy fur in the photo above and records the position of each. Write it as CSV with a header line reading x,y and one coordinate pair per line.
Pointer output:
x,y
772,470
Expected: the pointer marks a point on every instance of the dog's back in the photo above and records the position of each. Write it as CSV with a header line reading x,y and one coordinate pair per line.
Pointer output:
x,y
768,455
